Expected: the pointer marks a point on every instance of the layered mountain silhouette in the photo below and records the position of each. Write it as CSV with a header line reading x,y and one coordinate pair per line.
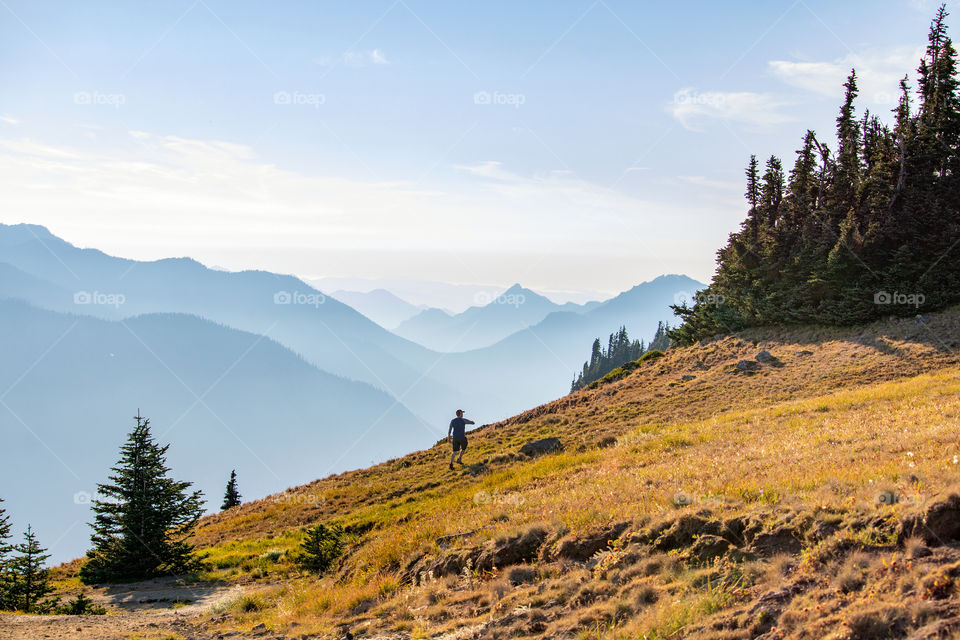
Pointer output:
x,y
528,367
326,332
498,316
69,386
381,306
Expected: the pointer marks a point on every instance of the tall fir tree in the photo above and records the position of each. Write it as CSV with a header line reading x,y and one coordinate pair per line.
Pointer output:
x,y
140,530
30,580
231,497
5,549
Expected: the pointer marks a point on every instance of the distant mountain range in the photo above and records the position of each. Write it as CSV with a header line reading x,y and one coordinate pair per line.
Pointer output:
x,y
380,305
498,316
328,333
537,364
268,372
432,294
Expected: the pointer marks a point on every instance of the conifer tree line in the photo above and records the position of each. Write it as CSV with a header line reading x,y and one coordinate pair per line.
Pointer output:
x,y
619,351
867,230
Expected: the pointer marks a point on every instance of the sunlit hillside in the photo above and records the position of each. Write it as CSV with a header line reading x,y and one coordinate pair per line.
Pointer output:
x,y
792,483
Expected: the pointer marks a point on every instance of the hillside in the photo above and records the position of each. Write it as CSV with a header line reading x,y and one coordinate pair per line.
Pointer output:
x,y
713,493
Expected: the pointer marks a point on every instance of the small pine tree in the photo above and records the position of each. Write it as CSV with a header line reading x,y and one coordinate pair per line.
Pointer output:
x,y
231,498
80,606
30,580
5,549
140,531
321,546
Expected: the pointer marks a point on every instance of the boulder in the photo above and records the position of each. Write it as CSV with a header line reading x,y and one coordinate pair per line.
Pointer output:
x,y
764,356
539,447
747,366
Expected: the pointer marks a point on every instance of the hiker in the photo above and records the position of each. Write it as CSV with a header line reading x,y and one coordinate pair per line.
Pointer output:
x,y
458,436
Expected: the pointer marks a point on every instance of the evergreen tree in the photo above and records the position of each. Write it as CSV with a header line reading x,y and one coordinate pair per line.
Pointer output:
x,y
30,581
321,546
231,498
140,530
5,549
661,339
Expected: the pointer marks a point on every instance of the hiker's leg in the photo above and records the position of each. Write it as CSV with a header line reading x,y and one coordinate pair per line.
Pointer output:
x,y
463,449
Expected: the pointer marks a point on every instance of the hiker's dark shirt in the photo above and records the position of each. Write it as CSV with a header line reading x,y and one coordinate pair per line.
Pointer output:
x,y
458,426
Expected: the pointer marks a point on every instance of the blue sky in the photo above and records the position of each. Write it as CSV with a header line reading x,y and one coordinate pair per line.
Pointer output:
x,y
581,145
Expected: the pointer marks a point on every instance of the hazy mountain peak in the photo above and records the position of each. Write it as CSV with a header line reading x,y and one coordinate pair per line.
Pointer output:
x,y
517,288
11,234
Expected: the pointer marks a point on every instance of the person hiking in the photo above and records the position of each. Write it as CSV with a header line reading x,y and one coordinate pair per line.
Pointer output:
x,y
458,436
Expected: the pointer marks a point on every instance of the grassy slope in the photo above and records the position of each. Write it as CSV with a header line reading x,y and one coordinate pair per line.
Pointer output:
x,y
781,467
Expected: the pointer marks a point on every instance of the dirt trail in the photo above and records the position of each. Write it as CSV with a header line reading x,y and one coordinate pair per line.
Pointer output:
x,y
153,610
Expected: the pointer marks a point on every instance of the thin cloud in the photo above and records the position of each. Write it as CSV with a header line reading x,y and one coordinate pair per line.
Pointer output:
x,y
355,59
9,119
878,73
756,110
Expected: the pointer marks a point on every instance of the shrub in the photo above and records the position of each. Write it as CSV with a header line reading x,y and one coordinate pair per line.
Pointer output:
x,y
249,604
653,354
320,548
80,606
